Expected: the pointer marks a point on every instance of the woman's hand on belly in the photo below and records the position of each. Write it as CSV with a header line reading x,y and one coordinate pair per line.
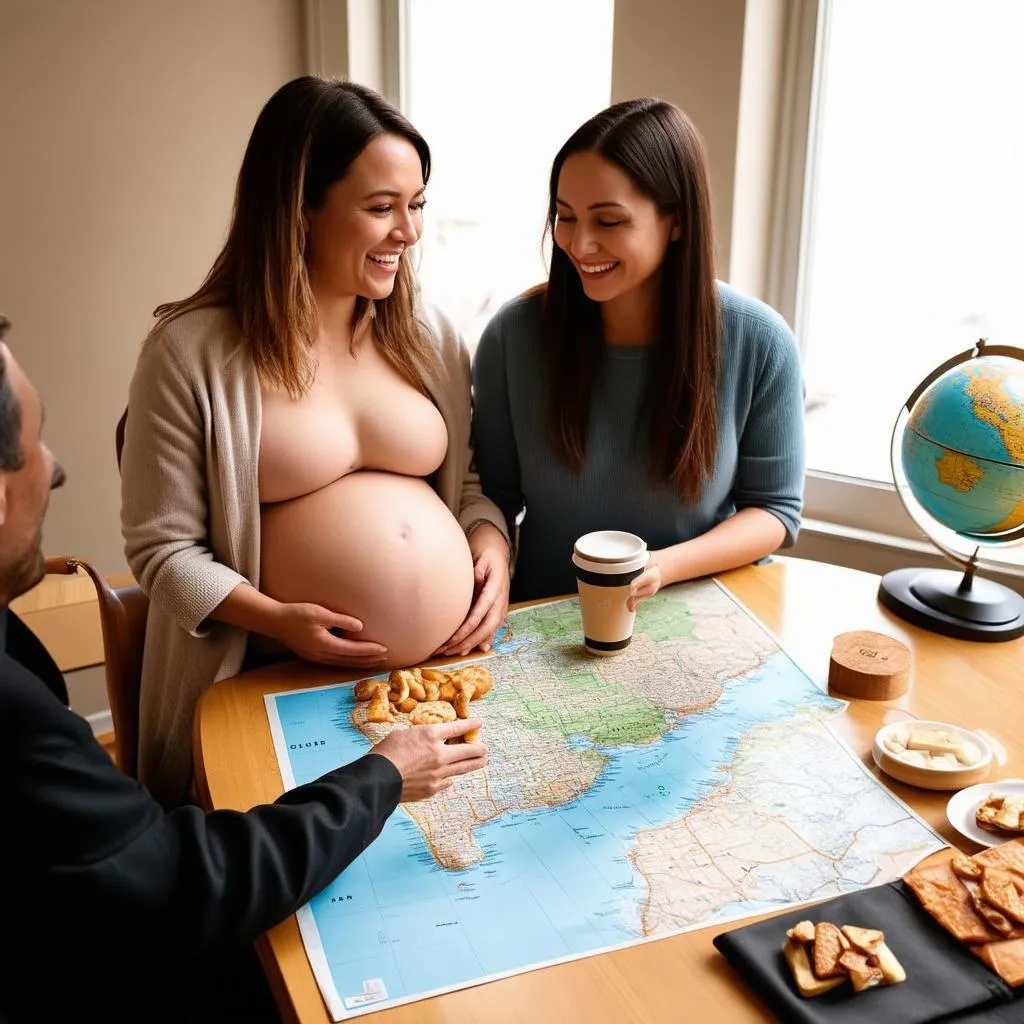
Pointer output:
x,y
380,546
320,635
491,586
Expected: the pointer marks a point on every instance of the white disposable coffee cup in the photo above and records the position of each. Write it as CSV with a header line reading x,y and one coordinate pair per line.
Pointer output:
x,y
607,562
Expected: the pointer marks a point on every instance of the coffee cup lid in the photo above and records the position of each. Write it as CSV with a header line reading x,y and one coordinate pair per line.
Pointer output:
x,y
609,546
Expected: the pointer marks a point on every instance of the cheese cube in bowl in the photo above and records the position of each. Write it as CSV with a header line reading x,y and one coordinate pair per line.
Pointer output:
x,y
932,755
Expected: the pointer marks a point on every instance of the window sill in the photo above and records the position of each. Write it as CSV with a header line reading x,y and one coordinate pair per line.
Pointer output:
x,y
880,552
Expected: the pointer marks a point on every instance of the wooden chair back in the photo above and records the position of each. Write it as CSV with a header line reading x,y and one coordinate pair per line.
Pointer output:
x,y
123,613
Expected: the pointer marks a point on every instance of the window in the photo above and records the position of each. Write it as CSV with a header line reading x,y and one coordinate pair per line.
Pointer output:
x,y
913,221
496,89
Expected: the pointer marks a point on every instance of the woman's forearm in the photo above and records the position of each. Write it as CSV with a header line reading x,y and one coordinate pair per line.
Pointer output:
x,y
487,535
248,609
743,538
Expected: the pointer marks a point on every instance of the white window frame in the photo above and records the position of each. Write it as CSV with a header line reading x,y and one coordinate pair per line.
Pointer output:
x,y
363,40
846,520
829,497
838,509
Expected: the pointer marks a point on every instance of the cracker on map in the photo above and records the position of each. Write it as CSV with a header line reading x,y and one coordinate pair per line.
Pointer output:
x,y
432,712
365,689
428,696
478,676
462,699
379,710
435,675
399,680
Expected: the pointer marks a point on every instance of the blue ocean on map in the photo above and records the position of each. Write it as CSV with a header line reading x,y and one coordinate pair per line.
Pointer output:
x,y
554,883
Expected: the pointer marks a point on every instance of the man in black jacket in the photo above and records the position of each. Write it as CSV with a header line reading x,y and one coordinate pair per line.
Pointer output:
x,y
110,908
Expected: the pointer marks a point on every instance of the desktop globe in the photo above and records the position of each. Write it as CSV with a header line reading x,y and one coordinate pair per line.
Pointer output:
x,y
963,448
958,463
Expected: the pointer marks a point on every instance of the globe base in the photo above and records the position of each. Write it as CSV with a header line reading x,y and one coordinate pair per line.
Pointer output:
x,y
954,604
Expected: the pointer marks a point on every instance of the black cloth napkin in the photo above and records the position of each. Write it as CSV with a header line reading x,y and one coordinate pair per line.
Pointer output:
x,y
1008,1013
945,980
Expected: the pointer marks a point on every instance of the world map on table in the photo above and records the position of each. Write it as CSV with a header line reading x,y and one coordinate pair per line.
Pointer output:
x,y
691,779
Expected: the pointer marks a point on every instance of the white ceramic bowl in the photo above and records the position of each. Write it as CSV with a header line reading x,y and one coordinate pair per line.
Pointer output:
x,y
927,777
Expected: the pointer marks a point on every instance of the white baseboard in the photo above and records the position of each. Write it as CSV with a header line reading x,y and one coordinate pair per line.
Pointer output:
x,y
101,722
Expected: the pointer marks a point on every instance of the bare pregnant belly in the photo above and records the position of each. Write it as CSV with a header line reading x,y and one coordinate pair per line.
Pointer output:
x,y
379,546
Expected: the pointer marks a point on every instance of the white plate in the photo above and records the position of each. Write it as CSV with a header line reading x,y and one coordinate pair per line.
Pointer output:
x,y
962,806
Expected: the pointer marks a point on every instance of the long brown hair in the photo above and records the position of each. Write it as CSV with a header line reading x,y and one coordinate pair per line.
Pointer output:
x,y
304,140
657,145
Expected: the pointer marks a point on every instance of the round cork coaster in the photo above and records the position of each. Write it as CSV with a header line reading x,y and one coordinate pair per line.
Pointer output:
x,y
869,666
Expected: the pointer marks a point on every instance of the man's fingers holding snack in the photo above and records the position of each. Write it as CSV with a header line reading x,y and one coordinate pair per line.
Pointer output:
x,y
424,759
456,731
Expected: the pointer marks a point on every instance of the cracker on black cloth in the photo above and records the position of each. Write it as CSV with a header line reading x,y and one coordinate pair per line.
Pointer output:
x,y
944,978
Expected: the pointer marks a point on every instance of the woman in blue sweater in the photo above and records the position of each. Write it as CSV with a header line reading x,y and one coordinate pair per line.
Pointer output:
x,y
634,391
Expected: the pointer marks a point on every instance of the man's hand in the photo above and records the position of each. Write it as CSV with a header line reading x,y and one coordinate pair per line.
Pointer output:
x,y
491,585
320,635
426,762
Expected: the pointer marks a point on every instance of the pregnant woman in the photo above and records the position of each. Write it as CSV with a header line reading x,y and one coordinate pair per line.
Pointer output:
x,y
296,467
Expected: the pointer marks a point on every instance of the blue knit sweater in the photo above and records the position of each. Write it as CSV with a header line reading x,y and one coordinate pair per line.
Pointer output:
x,y
760,461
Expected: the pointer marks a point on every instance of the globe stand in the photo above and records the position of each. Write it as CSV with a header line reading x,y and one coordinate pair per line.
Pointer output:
x,y
961,606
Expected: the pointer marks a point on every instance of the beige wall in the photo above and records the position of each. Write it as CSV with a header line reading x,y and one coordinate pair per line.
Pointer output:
x,y
691,53
123,125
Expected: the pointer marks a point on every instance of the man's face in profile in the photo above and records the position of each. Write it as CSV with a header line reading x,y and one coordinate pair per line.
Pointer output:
x,y
25,485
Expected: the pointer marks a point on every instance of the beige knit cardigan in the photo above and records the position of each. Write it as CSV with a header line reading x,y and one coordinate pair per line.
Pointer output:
x,y
190,511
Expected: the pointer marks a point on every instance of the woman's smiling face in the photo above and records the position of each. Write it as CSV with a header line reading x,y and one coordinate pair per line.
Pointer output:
x,y
368,221
614,235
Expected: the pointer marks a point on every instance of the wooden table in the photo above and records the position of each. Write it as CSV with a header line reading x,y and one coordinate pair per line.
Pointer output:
x,y
805,604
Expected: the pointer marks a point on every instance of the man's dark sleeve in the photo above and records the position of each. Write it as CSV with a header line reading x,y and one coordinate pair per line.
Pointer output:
x,y
100,845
